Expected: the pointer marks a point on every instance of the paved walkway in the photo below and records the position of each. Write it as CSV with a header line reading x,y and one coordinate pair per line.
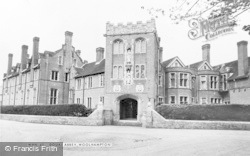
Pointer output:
x,y
131,140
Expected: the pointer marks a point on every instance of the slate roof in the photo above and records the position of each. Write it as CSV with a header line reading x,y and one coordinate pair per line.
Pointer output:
x,y
195,65
91,69
233,66
167,62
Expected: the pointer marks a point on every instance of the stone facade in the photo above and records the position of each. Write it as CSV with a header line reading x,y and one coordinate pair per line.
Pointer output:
x,y
131,76
42,79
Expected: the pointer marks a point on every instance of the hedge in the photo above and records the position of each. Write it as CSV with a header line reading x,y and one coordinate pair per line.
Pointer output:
x,y
50,110
205,112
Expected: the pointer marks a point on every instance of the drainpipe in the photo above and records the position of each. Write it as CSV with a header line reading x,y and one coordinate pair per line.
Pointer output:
x,y
25,89
15,91
38,89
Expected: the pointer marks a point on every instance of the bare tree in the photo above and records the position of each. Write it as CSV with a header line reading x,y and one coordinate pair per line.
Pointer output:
x,y
184,10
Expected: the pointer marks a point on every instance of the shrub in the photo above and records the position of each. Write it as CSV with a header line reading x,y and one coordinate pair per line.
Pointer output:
x,y
205,112
51,110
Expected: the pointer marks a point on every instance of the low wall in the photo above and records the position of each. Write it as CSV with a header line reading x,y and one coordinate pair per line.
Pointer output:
x,y
64,120
94,119
153,119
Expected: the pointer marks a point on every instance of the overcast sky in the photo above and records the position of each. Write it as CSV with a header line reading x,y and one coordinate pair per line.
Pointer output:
x,y
21,20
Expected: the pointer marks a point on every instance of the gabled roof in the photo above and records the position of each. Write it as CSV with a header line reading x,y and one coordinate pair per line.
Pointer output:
x,y
78,70
169,62
91,69
205,63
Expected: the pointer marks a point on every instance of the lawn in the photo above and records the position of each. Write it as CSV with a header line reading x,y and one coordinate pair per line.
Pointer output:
x,y
205,112
51,110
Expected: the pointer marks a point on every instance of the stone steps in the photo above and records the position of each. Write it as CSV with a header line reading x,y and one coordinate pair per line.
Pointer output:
x,y
128,123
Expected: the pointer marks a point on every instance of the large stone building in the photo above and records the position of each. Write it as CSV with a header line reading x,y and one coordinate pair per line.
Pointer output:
x,y
131,75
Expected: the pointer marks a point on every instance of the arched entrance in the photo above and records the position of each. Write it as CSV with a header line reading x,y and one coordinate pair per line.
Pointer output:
x,y
128,109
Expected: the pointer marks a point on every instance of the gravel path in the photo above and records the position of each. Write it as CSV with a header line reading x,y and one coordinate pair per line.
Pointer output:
x,y
130,140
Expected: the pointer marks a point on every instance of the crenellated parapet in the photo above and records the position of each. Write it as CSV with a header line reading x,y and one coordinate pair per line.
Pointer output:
x,y
131,28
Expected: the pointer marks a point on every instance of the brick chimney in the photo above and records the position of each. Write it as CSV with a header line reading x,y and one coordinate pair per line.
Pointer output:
x,y
10,58
35,51
206,52
99,54
68,38
242,58
24,55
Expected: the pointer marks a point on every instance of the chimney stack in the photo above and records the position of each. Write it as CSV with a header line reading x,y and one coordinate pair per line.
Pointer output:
x,y
68,38
35,51
242,58
99,54
24,57
206,53
10,58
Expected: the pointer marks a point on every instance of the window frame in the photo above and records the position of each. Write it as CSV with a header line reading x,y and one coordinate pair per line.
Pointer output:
x,y
170,79
101,99
214,82
139,72
90,82
120,47
60,60
201,88
66,79
89,102
161,99
224,82
54,77
185,78
170,99
101,80
184,97
202,100
53,96
143,46
78,84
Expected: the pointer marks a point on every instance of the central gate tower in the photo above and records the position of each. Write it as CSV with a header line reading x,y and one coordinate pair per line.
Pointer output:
x,y
131,69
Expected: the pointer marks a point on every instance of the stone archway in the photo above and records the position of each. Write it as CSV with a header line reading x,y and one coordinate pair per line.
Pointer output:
x,y
128,109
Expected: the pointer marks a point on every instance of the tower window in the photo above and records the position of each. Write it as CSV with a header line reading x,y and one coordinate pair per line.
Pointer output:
x,y
66,77
120,72
60,60
118,47
54,75
137,71
53,96
140,46
115,72
143,74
